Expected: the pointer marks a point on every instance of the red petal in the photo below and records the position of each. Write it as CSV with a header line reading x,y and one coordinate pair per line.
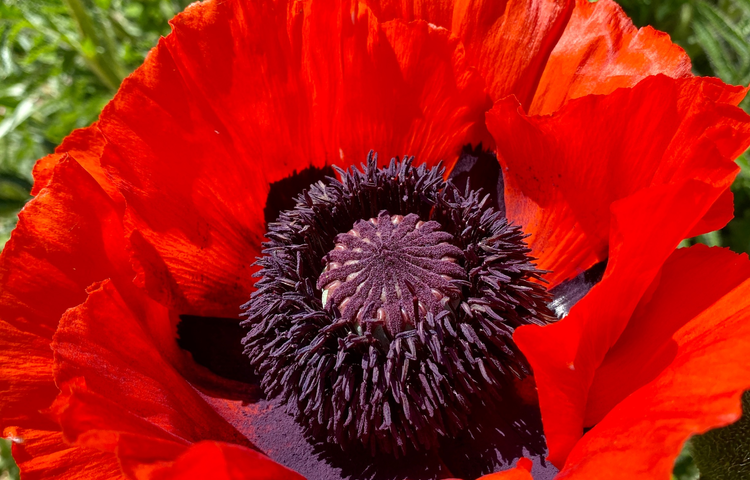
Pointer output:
x,y
43,455
43,169
437,12
600,51
565,355
239,96
562,172
25,378
522,471
67,237
678,369
118,393
222,461
717,217
546,52
401,89
690,283
508,41
85,146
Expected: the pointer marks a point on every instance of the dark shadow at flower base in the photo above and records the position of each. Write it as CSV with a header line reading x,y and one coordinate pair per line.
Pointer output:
x,y
569,292
277,434
478,168
282,194
498,437
489,446
216,343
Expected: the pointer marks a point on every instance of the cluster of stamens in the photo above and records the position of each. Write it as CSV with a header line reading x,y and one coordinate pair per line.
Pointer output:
x,y
385,308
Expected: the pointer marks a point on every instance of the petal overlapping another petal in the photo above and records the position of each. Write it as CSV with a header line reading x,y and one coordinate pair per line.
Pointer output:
x,y
508,41
68,237
43,454
601,50
119,394
562,172
546,52
240,96
222,461
85,147
678,369
565,355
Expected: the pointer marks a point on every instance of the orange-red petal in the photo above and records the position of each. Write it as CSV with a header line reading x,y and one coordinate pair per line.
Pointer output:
x,y
25,377
222,461
600,51
565,355
717,217
42,454
678,369
67,237
84,146
508,41
239,96
118,392
522,471
562,172
546,52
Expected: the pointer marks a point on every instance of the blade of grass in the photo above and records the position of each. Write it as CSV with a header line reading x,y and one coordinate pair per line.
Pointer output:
x,y
98,50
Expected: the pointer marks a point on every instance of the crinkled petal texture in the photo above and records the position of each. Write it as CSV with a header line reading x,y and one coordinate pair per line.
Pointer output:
x,y
241,95
679,368
150,420
168,187
629,198
69,236
564,171
157,210
546,52
43,455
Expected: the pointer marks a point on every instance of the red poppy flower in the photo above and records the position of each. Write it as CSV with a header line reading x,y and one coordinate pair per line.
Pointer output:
x,y
397,315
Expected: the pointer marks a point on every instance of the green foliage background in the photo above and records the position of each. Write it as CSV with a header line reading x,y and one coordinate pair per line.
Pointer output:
x,y
62,60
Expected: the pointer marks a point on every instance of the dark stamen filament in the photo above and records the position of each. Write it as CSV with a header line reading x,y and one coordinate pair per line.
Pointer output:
x,y
385,309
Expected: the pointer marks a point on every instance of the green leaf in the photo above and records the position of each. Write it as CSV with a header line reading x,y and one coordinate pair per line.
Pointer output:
x,y
19,115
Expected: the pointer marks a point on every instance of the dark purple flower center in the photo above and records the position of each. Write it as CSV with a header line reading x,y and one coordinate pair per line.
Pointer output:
x,y
385,308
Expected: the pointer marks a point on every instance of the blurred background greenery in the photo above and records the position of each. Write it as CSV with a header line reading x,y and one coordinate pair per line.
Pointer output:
x,y
62,60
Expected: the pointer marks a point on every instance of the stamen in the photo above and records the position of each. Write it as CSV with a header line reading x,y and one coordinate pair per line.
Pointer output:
x,y
385,308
